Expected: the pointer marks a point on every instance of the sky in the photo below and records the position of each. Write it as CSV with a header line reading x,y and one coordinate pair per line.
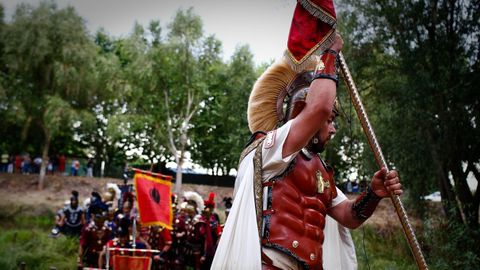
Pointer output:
x,y
263,25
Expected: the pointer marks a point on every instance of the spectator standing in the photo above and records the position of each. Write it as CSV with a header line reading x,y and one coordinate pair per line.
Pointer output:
x,y
4,162
18,163
61,164
26,164
50,166
74,167
11,161
54,160
349,186
37,162
355,188
90,168
77,166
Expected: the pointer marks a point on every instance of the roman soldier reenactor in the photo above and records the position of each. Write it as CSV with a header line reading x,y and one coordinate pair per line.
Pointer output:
x,y
284,189
210,230
70,219
159,238
93,237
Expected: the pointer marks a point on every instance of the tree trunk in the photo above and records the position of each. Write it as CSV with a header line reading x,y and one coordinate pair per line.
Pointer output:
x,y
43,167
179,174
450,206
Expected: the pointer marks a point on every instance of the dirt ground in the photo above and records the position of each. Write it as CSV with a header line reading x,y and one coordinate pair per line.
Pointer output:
x,y
21,192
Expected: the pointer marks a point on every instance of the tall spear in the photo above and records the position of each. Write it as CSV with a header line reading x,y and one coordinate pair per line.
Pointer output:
x,y
380,159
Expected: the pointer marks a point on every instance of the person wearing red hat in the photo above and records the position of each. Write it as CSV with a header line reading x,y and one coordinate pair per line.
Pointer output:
x,y
210,230
284,190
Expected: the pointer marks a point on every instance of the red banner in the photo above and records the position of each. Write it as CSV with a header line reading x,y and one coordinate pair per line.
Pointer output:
x,y
131,262
154,199
312,29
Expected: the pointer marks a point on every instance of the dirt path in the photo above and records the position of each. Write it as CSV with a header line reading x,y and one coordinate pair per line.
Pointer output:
x,y
21,191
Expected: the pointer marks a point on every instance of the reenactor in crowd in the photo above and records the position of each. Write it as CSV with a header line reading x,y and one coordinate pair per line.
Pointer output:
x,y
159,238
227,201
209,230
123,239
109,196
73,218
187,244
94,236
94,202
70,219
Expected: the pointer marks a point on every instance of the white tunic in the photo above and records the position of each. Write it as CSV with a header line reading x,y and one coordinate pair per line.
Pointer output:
x,y
239,246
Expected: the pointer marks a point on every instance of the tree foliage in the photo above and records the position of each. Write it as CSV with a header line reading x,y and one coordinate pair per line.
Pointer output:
x,y
416,63
48,62
222,128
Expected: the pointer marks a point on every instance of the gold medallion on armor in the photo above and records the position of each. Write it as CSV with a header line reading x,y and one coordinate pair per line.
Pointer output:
x,y
322,184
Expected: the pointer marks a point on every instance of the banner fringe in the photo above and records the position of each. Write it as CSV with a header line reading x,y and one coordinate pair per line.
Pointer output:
x,y
318,12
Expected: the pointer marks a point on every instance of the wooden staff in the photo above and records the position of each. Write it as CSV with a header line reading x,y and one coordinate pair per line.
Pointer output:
x,y
380,159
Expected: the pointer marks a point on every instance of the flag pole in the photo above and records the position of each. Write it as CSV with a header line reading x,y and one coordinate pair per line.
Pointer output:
x,y
380,160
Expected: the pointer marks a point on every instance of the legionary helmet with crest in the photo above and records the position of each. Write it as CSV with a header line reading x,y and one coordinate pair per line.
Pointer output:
x,y
280,92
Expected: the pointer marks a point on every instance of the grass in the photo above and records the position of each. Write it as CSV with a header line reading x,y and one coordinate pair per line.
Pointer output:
x,y
382,249
24,238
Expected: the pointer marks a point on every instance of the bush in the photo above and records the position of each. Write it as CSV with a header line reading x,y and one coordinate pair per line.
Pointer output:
x,y
451,245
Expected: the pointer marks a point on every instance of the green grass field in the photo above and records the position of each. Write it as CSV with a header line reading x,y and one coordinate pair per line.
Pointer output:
x,y
377,250
25,239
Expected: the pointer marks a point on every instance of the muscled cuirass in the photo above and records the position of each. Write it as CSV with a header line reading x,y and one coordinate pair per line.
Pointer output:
x,y
297,203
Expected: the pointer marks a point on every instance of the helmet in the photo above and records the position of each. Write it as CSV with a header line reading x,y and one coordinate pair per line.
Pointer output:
x,y
270,102
210,203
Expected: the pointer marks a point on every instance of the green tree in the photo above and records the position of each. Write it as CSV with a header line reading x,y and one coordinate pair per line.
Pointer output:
x,y
416,64
146,109
434,94
49,58
179,65
222,129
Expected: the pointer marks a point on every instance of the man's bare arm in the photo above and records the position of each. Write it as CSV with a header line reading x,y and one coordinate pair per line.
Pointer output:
x,y
315,114
352,213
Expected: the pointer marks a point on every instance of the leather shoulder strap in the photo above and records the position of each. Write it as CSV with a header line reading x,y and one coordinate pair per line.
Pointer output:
x,y
257,178
250,148
257,186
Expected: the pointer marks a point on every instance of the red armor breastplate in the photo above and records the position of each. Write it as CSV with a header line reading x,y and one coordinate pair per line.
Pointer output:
x,y
297,204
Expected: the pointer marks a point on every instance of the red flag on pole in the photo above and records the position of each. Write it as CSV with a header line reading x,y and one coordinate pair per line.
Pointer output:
x,y
311,32
154,198
131,262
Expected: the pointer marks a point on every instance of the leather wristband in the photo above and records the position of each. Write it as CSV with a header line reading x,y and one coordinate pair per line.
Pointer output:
x,y
365,204
327,68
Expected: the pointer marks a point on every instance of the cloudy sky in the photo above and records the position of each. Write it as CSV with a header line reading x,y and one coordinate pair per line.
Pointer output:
x,y
263,25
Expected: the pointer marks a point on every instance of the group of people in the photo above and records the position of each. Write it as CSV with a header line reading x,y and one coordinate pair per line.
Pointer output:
x,y
26,164
113,221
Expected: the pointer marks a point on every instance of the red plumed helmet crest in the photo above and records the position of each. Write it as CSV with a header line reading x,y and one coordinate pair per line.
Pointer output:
x,y
211,200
